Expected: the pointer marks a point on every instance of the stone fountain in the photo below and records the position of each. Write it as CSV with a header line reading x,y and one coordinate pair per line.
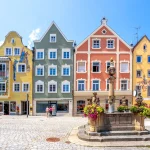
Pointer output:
x,y
113,125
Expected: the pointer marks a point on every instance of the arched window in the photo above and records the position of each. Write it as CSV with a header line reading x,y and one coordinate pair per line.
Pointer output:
x,y
80,106
145,47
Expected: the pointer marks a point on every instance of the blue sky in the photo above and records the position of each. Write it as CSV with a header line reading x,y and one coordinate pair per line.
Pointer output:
x,y
76,18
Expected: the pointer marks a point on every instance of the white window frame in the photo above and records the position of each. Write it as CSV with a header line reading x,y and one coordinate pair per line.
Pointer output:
x,y
99,84
63,83
127,84
66,50
52,82
39,50
108,61
5,86
84,84
99,66
14,87
65,66
23,86
5,68
93,43
113,43
14,51
39,82
52,50
136,73
55,38
39,66
11,51
52,66
128,66
18,67
84,66
106,85
136,59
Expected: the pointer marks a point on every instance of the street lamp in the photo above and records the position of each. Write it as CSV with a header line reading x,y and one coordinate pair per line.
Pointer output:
x,y
27,104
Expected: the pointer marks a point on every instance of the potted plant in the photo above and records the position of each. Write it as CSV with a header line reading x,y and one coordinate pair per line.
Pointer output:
x,y
122,108
92,112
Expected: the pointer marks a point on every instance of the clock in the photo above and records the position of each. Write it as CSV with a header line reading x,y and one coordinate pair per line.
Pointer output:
x,y
134,93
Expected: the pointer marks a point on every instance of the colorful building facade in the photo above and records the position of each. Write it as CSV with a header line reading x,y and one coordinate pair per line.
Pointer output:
x,y
91,61
15,76
53,72
141,69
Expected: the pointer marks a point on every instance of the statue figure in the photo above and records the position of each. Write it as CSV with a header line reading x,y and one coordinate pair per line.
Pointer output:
x,y
139,99
93,99
123,100
89,101
22,56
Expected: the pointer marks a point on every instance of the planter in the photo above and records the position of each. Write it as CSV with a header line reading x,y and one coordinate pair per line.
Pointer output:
x,y
92,125
139,123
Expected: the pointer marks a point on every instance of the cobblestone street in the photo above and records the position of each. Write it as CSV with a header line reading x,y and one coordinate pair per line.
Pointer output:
x,y
20,133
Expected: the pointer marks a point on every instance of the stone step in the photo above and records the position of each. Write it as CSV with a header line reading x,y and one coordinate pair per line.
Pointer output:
x,y
118,133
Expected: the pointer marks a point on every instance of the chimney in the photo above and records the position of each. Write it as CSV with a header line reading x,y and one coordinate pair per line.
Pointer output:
x,y
104,21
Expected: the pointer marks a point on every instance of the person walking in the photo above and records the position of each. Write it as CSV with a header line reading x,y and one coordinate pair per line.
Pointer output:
x,y
47,111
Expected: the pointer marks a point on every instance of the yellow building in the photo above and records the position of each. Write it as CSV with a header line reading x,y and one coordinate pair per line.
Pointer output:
x,y
15,76
141,69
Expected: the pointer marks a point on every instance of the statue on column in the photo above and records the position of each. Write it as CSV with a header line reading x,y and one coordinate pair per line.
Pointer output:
x,y
94,99
124,100
139,99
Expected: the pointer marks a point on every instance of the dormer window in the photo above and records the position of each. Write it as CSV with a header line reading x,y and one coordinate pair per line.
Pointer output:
x,y
104,31
12,40
52,38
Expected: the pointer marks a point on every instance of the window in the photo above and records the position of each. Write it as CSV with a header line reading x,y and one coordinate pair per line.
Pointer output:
x,y
39,87
21,68
52,87
16,51
12,41
96,67
138,73
124,85
96,43
138,88
41,106
104,31
52,38
124,66
2,70
107,85
138,59
95,85
145,47
62,106
25,87
52,54
65,53
80,106
81,85
39,54
16,87
66,71
65,87
8,51
81,67
148,91
148,73
1,106
13,106
53,70
40,70
2,87
148,59
110,43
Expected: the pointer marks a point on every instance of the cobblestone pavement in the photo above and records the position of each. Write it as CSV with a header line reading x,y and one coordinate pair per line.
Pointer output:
x,y
20,133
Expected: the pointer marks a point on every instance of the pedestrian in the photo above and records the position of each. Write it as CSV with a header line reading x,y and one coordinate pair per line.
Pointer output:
x,y
50,111
47,111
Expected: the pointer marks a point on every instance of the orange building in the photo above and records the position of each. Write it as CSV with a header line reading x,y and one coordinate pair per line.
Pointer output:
x,y
91,61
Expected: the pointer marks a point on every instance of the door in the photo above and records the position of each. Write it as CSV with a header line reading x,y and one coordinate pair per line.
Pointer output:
x,y
6,108
1,107
54,109
24,108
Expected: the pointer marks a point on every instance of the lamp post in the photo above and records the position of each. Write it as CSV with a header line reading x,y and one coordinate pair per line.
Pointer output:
x,y
27,105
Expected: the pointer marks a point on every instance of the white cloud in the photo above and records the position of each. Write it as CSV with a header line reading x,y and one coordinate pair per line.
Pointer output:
x,y
1,42
33,36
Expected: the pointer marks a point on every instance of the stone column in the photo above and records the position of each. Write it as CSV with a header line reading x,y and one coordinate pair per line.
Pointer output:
x,y
111,97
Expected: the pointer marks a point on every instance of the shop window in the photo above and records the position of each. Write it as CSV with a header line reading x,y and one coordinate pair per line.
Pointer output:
x,y
41,107
63,106
80,106
13,106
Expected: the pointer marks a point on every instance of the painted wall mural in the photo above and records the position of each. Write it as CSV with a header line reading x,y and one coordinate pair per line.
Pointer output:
x,y
23,59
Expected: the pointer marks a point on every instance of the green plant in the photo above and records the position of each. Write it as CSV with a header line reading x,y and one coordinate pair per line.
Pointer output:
x,y
145,112
93,111
122,108
134,109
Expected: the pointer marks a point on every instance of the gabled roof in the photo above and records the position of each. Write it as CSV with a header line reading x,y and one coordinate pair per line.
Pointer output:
x,y
53,23
108,29
14,32
145,36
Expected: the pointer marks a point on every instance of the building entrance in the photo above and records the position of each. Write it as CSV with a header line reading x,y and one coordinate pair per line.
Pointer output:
x,y
24,108
6,108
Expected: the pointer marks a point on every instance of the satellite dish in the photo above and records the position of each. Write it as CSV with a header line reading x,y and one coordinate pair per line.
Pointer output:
x,y
134,93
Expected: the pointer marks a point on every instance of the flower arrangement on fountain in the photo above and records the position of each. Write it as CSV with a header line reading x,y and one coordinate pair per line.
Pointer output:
x,y
93,111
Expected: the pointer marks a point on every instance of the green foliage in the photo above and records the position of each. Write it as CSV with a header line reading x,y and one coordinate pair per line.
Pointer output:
x,y
122,108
